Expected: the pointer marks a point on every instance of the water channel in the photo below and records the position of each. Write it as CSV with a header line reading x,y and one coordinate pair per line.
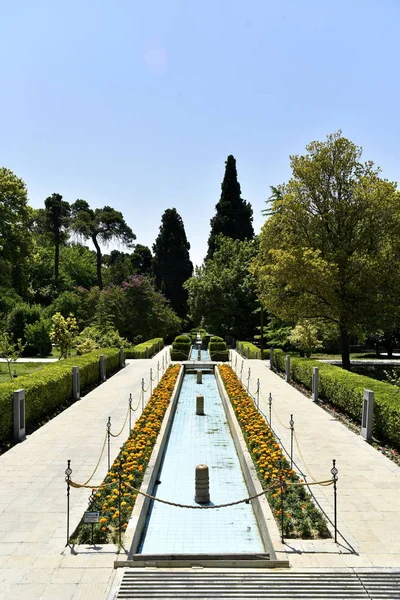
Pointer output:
x,y
193,440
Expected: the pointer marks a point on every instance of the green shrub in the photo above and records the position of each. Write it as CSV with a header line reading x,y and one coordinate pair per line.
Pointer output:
x,y
248,350
183,338
217,347
178,355
346,390
149,348
221,356
51,387
216,338
38,337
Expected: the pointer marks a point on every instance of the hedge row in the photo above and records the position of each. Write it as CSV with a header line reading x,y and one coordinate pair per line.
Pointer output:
x,y
248,350
145,349
50,387
346,390
181,347
217,349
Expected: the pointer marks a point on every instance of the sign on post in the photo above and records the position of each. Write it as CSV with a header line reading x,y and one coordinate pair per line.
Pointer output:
x,y
91,517
367,415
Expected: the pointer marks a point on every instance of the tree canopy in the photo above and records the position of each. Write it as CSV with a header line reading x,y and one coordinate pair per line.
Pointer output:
x,y
100,225
171,263
234,216
324,250
57,213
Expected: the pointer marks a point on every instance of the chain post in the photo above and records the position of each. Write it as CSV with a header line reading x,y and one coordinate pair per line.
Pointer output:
x,y
236,363
68,473
334,472
248,379
258,393
158,372
163,364
281,486
91,499
270,408
142,394
291,423
151,381
130,412
241,370
109,441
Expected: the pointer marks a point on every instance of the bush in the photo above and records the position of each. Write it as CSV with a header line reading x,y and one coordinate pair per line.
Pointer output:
x,y
346,390
20,316
93,337
248,350
38,337
50,387
181,347
216,346
217,349
183,338
178,355
151,347
216,338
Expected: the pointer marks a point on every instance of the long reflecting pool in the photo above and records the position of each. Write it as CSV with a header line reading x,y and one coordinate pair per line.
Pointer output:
x,y
204,354
193,440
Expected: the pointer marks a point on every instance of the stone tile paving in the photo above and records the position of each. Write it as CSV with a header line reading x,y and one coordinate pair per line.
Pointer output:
x,y
368,485
34,562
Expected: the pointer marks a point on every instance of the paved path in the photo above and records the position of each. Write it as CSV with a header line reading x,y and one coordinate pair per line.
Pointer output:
x,y
33,560
368,485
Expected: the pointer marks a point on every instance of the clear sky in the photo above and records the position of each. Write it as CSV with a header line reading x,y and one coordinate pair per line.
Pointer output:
x,y
138,104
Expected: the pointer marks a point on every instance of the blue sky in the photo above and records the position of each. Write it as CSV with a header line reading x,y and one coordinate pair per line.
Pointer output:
x,y
138,104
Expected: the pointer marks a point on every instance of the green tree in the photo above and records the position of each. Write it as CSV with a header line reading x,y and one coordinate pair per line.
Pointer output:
x,y
142,260
172,264
222,291
234,216
305,337
38,337
15,222
323,251
100,225
57,214
63,333
10,350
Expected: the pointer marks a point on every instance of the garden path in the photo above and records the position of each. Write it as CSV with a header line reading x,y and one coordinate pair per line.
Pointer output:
x,y
34,562
368,484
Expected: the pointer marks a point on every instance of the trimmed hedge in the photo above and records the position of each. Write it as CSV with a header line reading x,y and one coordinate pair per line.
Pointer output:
x,y
218,350
346,390
216,338
248,350
151,346
181,347
50,387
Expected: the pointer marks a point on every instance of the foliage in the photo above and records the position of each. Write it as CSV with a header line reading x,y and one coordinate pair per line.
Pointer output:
x,y
51,387
181,347
15,237
301,518
149,348
222,292
10,350
172,265
248,350
234,216
142,260
19,317
133,459
346,390
331,241
57,213
100,225
63,333
96,337
139,311
305,337
38,337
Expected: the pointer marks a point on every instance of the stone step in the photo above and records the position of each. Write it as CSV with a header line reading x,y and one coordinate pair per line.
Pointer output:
x,y
157,585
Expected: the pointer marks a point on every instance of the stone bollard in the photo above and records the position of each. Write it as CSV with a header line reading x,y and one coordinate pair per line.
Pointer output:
x,y
200,405
19,415
198,354
199,377
121,358
271,357
367,415
314,395
202,494
102,368
287,367
76,384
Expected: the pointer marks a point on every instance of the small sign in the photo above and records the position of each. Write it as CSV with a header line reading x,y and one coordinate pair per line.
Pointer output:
x,y
91,517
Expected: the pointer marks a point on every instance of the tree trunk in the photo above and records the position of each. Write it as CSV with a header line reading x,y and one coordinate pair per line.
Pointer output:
x,y
98,262
345,347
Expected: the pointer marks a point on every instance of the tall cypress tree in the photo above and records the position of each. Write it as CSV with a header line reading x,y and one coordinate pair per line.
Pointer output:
x,y
234,215
172,264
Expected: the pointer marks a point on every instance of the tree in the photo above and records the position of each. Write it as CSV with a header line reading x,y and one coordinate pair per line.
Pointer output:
x,y
57,213
222,293
172,264
323,251
63,333
100,225
15,220
234,215
10,350
142,260
305,337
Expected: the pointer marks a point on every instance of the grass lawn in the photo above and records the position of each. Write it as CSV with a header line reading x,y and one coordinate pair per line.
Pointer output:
x,y
353,356
19,369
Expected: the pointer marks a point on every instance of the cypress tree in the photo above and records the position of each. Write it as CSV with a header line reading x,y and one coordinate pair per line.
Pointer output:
x,y
172,264
234,216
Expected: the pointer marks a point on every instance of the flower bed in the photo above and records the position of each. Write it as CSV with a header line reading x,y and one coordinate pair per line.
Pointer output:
x,y
133,458
301,518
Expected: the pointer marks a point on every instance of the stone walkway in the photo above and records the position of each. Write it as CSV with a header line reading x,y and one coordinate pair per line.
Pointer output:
x,y
34,563
368,484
